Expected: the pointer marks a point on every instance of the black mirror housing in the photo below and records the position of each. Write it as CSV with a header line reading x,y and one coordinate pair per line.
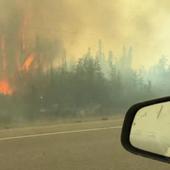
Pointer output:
x,y
127,125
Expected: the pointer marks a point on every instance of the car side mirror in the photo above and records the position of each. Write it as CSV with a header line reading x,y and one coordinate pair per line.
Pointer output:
x,y
146,129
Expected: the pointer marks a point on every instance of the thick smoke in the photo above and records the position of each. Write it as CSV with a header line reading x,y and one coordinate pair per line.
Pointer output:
x,y
77,24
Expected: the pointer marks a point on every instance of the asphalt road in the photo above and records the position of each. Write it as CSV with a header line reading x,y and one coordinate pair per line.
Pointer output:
x,y
79,146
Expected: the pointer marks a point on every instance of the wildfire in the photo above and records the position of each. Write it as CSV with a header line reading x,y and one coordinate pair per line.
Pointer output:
x,y
5,87
28,62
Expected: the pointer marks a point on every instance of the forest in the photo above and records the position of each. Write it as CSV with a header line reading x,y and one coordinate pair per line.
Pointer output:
x,y
93,85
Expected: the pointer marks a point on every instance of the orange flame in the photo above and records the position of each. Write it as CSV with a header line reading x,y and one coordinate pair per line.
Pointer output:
x,y
28,62
5,88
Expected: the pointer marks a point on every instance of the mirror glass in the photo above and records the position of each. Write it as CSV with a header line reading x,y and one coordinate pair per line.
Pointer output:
x,y
151,129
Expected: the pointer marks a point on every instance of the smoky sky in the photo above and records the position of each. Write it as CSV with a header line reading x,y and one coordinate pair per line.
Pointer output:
x,y
79,24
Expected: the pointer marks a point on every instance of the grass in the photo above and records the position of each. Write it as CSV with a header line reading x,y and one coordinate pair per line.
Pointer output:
x,y
54,121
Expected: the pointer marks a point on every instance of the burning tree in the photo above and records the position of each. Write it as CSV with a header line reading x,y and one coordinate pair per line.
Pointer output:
x,y
20,54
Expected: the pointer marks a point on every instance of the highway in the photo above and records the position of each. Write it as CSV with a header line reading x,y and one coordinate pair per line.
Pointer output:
x,y
91,145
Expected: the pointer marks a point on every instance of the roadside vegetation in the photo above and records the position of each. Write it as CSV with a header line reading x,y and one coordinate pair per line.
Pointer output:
x,y
92,86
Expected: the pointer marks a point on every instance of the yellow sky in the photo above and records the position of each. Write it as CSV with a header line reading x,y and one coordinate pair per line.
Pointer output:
x,y
79,24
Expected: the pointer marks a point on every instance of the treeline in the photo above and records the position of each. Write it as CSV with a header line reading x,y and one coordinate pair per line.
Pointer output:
x,y
93,86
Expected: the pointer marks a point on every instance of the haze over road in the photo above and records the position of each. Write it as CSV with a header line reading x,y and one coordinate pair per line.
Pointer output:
x,y
78,146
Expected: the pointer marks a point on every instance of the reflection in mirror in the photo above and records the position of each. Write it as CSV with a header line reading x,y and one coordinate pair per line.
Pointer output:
x,y
151,129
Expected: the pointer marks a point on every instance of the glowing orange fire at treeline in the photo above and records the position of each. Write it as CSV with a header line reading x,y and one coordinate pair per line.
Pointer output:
x,y
5,86
28,62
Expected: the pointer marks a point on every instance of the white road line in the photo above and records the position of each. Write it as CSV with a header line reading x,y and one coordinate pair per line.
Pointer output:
x,y
57,133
